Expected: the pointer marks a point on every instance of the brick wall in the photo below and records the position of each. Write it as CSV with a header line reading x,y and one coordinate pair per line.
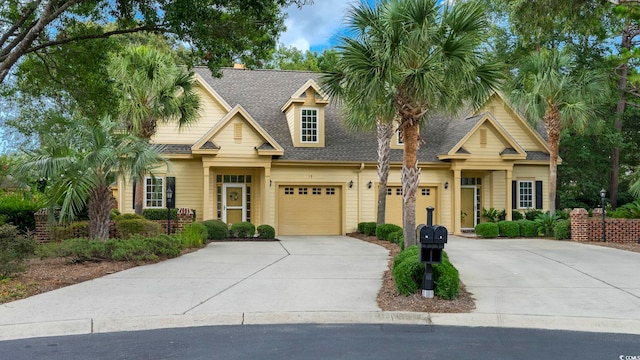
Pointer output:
x,y
45,232
585,228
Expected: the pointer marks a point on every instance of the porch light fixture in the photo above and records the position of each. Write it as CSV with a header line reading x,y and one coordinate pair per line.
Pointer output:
x,y
350,184
169,198
446,185
369,184
603,195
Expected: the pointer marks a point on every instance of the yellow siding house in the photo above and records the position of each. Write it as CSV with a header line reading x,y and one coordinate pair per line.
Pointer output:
x,y
270,148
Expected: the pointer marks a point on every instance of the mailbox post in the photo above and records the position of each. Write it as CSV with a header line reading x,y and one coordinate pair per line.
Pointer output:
x,y
432,239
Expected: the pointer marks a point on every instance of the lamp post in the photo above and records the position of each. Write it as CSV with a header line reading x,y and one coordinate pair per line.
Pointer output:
x,y
603,194
169,199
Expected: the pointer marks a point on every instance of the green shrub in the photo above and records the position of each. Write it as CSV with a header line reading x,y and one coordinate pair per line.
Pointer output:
x,y
243,229
138,248
77,229
218,230
81,250
487,230
516,215
509,229
129,227
563,214
15,248
19,211
546,222
446,279
528,228
532,214
626,211
411,251
128,217
562,229
367,228
194,235
383,231
408,275
159,214
266,232
114,214
493,215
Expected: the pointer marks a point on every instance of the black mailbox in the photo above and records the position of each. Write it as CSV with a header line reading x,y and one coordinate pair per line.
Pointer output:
x,y
440,234
425,234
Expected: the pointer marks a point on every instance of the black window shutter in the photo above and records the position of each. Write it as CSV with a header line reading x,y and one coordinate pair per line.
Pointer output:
x,y
538,194
514,194
133,197
171,184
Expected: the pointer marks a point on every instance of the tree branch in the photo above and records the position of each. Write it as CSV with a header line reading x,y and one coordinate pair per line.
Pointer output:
x,y
19,23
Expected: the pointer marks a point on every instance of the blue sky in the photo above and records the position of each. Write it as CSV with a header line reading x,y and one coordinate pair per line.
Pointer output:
x,y
314,27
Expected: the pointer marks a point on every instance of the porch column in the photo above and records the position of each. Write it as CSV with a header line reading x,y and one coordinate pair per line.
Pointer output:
x,y
206,194
267,188
457,202
509,178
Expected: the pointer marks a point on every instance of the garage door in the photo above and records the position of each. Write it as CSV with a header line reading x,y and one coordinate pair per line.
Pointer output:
x,y
309,210
425,197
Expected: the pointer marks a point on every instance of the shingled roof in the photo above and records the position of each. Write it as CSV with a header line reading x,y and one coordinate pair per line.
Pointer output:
x,y
263,92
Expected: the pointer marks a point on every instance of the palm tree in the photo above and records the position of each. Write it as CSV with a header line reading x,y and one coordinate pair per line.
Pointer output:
x,y
81,164
545,88
424,59
154,90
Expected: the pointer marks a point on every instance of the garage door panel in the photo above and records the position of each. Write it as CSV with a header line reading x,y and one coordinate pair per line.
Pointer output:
x,y
309,210
426,196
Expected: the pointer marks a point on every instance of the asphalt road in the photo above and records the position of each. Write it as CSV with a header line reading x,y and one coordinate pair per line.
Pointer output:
x,y
369,342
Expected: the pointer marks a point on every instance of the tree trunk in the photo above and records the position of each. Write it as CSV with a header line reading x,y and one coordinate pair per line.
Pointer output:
x,y
553,126
139,195
620,107
410,180
385,134
99,206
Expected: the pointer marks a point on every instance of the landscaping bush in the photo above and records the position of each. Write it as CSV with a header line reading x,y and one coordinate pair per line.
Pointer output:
x,y
218,230
77,229
528,228
367,228
397,238
562,229
19,211
80,250
194,235
15,248
114,214
446,279
243,229
266,232
508,229
159,214
493,215
383,231
516,215
532,214
131,216
129,227
487,230
626,211
546,222
160,246
408,273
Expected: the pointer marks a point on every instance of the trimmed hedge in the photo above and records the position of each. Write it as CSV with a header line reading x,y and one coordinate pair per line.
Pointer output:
x,y
217,229
159,214
383,231
129,227
528,228
487,230
408,272
15,210
367,228
509,229
266,232
516,215
562,229
398,238
243,229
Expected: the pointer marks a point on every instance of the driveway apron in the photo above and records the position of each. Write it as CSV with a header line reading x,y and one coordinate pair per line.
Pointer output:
x,y
548,278
306,274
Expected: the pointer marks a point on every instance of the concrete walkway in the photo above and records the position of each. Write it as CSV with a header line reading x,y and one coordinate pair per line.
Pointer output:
x,y
526,283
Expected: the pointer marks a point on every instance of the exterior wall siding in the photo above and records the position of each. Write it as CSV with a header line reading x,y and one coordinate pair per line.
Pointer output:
x,y
506,116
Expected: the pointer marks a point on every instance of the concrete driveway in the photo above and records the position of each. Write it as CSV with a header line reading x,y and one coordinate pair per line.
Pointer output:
x,y
220,284
549,284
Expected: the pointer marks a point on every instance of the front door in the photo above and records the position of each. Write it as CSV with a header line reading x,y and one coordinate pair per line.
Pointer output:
x,y
468,206
234,203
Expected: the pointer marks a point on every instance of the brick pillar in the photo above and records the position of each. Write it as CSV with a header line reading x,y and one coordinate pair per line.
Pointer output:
x,y
579,225
43,230
185,216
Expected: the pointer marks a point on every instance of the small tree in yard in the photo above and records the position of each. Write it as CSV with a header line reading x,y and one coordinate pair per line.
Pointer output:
x,y
80,166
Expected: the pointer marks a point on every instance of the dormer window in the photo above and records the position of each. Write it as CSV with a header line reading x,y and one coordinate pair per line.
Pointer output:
x,y
309,126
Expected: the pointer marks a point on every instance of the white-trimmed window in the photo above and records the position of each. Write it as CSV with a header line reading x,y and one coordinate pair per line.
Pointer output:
x,y
153,192
309,126
525,194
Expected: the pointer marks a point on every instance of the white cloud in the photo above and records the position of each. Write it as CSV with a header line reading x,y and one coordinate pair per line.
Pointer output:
x,y
313,26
